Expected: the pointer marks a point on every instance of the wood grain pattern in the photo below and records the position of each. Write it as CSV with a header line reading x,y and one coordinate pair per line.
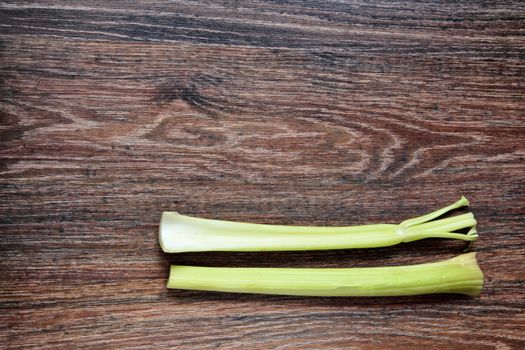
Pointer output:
x,y
294,112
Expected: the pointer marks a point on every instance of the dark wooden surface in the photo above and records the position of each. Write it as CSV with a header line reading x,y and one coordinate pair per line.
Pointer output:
x,y
293,112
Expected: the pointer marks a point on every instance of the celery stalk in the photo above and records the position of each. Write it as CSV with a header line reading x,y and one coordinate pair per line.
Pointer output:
x,y
181,233
457,275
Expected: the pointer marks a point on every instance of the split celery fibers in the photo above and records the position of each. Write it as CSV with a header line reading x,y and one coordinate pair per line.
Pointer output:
x,y
180,233
457,275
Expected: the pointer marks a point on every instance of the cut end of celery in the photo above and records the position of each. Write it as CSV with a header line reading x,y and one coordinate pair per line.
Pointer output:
x,y
463,202
472,234
167,230
473,273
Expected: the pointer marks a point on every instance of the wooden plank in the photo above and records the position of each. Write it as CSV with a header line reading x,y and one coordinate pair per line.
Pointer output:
x,y
298,112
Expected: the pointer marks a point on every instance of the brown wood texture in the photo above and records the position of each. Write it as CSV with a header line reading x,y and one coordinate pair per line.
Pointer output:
x,y
291,112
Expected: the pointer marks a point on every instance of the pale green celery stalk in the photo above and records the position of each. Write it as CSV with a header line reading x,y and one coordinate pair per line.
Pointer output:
x,y
457,275
180,233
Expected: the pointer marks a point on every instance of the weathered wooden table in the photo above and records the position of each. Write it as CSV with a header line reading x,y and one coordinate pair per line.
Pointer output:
x,y
292,112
